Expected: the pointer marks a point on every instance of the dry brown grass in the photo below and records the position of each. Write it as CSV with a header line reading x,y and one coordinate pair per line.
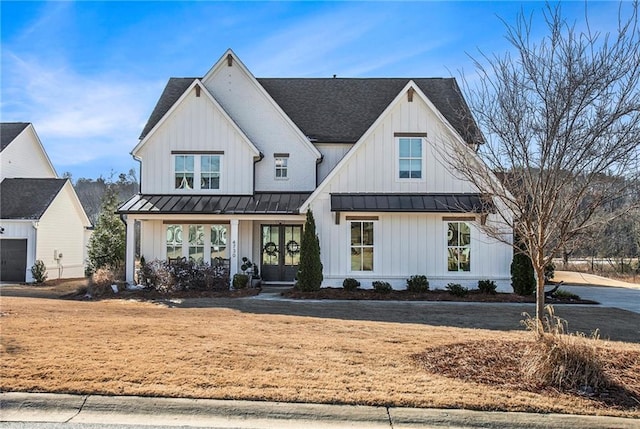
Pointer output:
x,y
136,348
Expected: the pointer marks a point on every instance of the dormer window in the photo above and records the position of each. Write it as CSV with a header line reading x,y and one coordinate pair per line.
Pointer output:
x,y
197,171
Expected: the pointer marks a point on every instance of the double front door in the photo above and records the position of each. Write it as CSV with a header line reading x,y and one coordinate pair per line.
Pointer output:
x,y
280,252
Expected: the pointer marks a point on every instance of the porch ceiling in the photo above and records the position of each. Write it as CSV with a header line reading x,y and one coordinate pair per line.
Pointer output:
x,y
259,203
418,203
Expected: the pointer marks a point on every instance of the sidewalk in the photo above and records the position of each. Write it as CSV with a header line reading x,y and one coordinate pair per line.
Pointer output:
x,y
121,410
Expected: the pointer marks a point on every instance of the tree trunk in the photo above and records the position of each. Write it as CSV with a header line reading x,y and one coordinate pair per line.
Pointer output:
x,y
539,298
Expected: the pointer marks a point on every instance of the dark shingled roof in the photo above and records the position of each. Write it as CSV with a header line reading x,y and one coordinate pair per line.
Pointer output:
x,y
259,203
27,198
9,131
419,203
341,110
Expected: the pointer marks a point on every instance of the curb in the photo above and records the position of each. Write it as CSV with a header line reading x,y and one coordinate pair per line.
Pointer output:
x,y
213,413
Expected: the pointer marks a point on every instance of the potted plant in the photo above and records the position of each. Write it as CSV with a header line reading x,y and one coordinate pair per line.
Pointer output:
x,y
252,271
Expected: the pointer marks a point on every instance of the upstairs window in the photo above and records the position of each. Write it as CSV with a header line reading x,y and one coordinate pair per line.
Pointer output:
x,y
282,165
184,171
410,158
210,172
197,171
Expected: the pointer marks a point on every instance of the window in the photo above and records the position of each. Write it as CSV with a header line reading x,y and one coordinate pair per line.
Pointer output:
x,y
197,171
282,167
174,241
458,246
218,241
361,246
196,243
210,172
204,242
184,171
410,158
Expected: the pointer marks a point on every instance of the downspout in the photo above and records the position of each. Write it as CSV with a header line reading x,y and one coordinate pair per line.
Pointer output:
x,y
318,162
255,161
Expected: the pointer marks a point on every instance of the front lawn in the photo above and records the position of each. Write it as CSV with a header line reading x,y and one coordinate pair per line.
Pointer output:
x,y
123,347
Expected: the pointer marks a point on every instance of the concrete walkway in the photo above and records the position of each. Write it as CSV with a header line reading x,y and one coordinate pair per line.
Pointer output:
x,y
78,410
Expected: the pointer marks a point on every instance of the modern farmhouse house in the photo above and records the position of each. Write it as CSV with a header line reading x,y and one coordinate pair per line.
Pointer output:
x,y
231,163
40,214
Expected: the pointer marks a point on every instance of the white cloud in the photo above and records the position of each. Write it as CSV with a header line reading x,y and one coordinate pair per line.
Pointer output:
x,y
79,118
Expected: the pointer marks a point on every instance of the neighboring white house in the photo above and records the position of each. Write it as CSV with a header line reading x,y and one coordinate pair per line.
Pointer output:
x,y
230,164
40,214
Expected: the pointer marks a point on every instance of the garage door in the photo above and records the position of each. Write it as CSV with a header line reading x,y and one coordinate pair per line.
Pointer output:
x,y
13,260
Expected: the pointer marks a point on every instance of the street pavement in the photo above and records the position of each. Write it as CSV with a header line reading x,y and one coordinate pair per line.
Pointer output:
x,y
46,411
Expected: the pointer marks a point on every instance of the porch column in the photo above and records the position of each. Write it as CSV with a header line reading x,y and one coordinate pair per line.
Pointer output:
x,y
233,263
130,257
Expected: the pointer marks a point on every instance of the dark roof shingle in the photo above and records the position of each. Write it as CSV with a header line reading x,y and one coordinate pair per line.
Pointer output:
x,y
27,198
339,110
9,131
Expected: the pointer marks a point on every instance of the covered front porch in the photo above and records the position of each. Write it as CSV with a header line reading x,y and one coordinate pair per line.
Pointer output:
x,y
264,228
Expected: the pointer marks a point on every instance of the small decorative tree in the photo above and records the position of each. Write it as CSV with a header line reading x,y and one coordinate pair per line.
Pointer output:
x,y
310,269
522,275
107,243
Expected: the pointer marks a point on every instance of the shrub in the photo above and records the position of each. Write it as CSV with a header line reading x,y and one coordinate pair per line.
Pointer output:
x,y
417,284
309,276
522,275
39,271
487,287
381,287
240,281
549,271
167,277
101,281
561,360
350,284
458,290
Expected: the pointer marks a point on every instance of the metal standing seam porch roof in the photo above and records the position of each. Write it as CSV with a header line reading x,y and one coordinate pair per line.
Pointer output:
x,y
260,203
417,203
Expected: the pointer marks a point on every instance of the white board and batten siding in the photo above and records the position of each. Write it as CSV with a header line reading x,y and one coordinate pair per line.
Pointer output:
x,y
404,243
332,154
25,157
267,127
195,125
62,228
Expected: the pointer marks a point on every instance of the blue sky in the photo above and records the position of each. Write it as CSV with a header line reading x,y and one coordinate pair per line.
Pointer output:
x,y
88,74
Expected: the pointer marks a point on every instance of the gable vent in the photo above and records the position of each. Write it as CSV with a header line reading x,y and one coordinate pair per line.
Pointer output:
x,y
410,95
197,90
229,60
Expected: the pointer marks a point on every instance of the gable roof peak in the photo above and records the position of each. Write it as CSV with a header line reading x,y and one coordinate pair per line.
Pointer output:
x,y
9,131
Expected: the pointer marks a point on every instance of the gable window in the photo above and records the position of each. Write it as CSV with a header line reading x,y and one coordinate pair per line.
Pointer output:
x,y
458,246
361,246
184,171
410,158
197,171
210,172
282,165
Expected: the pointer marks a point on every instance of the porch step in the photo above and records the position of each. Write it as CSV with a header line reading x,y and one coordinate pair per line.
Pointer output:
x,y
275,288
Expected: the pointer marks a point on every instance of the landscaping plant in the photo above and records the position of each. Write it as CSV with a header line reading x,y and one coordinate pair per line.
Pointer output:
x,y
456,289
309,276
487,287
39,271
522,275
382,287
350,284
418,283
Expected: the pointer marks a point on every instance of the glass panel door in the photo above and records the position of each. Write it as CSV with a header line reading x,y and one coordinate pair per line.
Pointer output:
x,y
280,252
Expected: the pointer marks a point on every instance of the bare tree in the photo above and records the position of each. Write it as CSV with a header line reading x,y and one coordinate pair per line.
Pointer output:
x,y
561,117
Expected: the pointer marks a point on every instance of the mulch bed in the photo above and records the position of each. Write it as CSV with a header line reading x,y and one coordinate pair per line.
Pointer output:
x,y
154,295
432,295
498,362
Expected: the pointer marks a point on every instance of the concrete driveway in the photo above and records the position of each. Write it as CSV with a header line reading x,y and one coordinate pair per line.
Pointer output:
x,y
616,297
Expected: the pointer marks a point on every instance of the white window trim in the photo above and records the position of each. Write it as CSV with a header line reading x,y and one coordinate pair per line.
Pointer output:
x,y
197,174
399,179
375,245
275,167
446,246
